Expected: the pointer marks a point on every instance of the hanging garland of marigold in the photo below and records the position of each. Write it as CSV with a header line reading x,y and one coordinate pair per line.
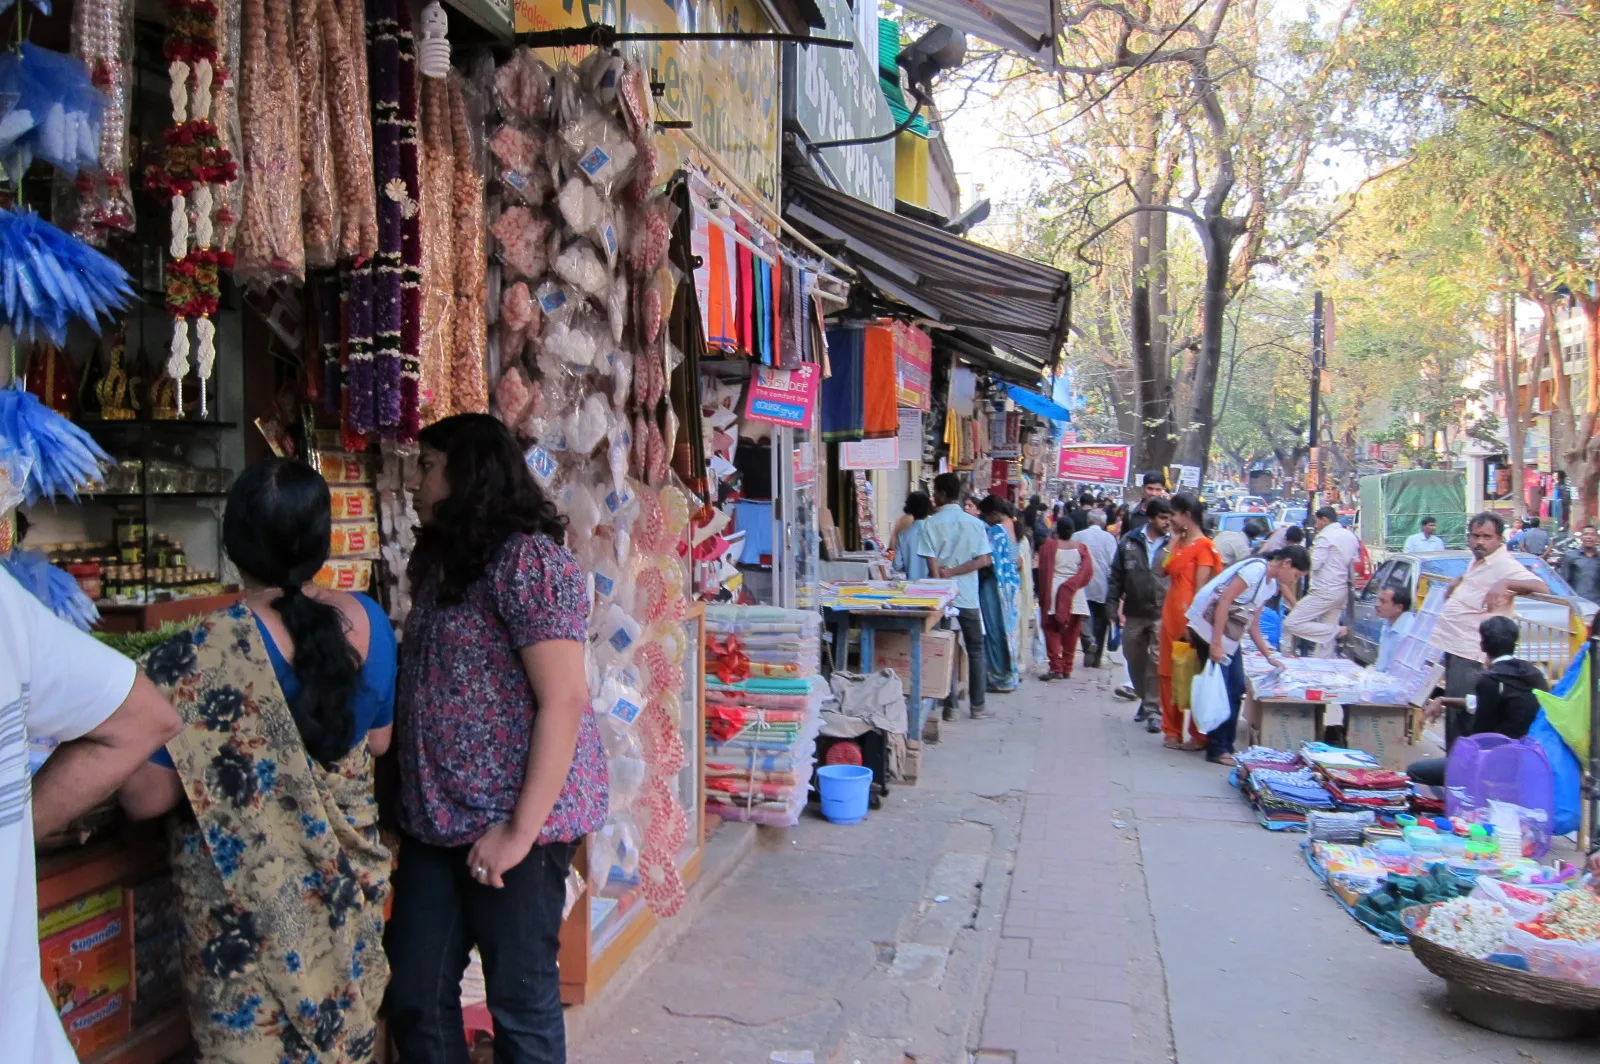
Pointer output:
x,y
195,165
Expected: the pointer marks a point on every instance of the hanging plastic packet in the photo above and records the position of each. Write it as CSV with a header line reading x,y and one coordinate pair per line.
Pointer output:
x,y
617,307
647,248
513,395
581,204
580,266
521,235
619,364
621,444
518,155
617,635
620,696
600,148
522,87
576,340
601,74
588,425
557,302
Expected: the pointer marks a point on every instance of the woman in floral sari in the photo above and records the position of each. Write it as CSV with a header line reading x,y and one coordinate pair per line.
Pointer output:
x,y
1000,596
274,841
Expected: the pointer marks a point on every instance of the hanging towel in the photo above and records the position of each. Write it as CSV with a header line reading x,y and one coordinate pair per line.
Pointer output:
x,y
842,399
719,318
767,345
747,299
775,319
700,248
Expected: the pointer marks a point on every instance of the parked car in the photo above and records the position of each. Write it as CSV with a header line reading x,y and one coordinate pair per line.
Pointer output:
x,y
1562,611
1290,514
1254,504
1234,522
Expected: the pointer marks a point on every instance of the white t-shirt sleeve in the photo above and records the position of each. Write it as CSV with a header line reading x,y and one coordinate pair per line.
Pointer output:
x,y
74,681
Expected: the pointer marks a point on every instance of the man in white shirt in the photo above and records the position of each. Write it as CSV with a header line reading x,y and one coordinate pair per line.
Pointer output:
x,y
1394,610
1103,550
1489,587
1421,542
1315,618
956,545
56,684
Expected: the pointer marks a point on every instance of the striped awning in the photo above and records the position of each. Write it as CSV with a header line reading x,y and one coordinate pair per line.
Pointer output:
x,y
1018,306
1026,27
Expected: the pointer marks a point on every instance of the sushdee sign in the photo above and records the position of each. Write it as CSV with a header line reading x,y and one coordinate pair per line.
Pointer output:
x,y
833,94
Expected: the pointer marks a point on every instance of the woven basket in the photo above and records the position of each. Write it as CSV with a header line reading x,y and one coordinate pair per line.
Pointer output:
x,y
1456,967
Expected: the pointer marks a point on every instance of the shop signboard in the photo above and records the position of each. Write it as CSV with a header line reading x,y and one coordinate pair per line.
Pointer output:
x,y
833,94
1104,463
727,90
870,454
783,396
1187,476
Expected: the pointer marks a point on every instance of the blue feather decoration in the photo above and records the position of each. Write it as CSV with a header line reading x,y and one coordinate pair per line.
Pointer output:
x,y
61,456
47,278
55,588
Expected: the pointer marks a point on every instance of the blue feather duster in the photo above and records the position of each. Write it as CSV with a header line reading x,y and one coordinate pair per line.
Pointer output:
x,y
47,278
61,456
56,589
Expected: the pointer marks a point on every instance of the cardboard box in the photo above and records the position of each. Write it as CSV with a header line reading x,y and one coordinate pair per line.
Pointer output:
x,y
353,504
1285,725
98,1025
87,961
892,650
78,910
1381,732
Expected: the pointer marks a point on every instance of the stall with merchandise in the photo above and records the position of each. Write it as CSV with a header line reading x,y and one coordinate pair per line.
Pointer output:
x,y
344,232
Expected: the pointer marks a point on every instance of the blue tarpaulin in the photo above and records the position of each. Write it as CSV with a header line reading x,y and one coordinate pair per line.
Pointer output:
x,y
1038,404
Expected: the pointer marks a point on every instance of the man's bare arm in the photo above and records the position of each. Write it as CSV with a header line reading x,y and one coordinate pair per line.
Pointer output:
x,y
982,561
85,772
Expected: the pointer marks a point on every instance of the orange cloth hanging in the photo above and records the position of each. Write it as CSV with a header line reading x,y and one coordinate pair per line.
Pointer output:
x,y
719,313
882,418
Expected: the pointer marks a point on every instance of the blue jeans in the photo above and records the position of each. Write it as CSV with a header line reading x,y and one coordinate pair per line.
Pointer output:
x,y
1219,740
440,913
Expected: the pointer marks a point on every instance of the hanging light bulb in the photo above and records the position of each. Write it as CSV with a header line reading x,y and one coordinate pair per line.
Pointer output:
x,y
433,47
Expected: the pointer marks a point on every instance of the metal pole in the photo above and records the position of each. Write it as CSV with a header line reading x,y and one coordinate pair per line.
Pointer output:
x,y
1316,382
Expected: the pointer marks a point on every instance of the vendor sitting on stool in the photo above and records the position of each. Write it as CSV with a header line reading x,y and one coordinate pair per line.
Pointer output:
x,y
1502,702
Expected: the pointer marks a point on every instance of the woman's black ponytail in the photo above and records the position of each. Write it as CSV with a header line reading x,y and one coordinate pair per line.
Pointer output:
x,y
276,530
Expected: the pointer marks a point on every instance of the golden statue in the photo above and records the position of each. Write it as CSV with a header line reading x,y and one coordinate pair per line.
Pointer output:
x,y
118,401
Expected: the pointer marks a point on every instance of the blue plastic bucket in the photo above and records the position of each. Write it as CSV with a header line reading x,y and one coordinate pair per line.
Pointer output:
x,y
844,790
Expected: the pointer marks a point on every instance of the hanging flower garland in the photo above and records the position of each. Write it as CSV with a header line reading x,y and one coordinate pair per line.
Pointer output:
x,y
193,167
397,203
410,236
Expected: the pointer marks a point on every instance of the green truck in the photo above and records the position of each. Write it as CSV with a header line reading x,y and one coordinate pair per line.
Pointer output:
x,y
1394,504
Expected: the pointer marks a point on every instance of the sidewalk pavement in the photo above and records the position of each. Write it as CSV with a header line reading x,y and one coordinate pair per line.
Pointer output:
x,y
867,943
1152,919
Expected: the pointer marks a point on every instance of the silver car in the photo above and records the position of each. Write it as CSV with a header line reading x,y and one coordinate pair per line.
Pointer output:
x,y
1553,612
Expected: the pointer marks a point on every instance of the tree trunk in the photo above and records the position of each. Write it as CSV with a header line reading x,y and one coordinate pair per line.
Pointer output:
x,y
1153,443
1195,446
1586,444
1561,422
1514,427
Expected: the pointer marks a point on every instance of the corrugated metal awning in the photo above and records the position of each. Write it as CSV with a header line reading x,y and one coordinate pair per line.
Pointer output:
x,y
1018,306
1026,27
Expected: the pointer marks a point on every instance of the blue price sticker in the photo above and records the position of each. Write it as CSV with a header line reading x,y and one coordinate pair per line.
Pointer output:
x,y
626,711
542,463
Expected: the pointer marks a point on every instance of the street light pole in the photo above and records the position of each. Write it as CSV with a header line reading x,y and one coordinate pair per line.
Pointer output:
x,y
1313,466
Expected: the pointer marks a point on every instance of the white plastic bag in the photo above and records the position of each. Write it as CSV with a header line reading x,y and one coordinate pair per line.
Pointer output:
x,y
1208,699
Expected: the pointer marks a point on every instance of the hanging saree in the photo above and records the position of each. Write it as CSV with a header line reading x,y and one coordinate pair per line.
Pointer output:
x,y
999,589
281,875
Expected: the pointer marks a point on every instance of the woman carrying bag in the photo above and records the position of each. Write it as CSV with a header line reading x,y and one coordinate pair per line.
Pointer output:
x,y
1236,596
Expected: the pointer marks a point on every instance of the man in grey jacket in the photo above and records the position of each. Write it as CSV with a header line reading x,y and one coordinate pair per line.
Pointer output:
x,y
1102,547
1135,592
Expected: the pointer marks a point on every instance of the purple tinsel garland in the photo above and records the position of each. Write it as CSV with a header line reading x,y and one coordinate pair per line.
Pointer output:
x,y
356,285
383,44
329,337
410,238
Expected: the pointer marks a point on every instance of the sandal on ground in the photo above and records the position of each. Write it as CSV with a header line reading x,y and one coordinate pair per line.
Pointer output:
x,y
1192,746
1221,759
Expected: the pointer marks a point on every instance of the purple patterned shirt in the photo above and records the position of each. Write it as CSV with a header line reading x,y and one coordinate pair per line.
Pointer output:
x,y
464,708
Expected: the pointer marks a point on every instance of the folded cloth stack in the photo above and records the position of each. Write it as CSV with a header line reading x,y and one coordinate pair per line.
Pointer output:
x,y
763,711
761,642
1360,788
1285,795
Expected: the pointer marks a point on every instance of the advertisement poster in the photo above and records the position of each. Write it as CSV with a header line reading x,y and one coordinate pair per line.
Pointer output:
x,y
913,366
911,434
870,454
783,396
1101,462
